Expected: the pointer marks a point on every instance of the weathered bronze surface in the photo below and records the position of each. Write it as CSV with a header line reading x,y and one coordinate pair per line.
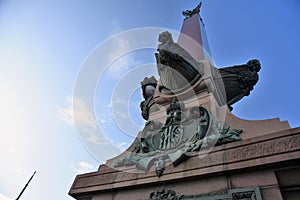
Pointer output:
x,y
179,71
184,131
239,80
148,89
176,67
190,13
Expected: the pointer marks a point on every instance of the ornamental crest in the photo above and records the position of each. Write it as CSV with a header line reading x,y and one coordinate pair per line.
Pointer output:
x,y
181,126
184,131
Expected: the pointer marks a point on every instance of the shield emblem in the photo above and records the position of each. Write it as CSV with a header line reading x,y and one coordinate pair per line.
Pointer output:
x,y
168,137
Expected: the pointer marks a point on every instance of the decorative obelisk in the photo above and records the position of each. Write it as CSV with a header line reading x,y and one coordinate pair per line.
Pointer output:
x,y
192,147
193,35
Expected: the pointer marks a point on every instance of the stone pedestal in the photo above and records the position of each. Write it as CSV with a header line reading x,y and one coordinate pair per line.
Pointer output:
x,y
264,163
266,166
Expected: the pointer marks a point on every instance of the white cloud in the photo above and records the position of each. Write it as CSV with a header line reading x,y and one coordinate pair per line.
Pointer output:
x,y
116,27
119,46
121,116
93,138
84,119
123,145
103,121
3,197
105,115
67,114
84,115
82,167
119,109
120,64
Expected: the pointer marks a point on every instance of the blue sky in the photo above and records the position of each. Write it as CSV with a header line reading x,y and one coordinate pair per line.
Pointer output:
x,y
43,46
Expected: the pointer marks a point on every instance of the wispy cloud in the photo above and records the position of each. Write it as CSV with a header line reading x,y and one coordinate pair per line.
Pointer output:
x,y
122,117
84,114
85,120
117,109
105,114
116,27
77,107
82,167
3,197
66,114
121,56
94,139
120,52
120,109
123,145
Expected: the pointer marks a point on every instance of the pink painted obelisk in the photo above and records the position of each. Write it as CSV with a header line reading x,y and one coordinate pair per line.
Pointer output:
x,y
192,35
